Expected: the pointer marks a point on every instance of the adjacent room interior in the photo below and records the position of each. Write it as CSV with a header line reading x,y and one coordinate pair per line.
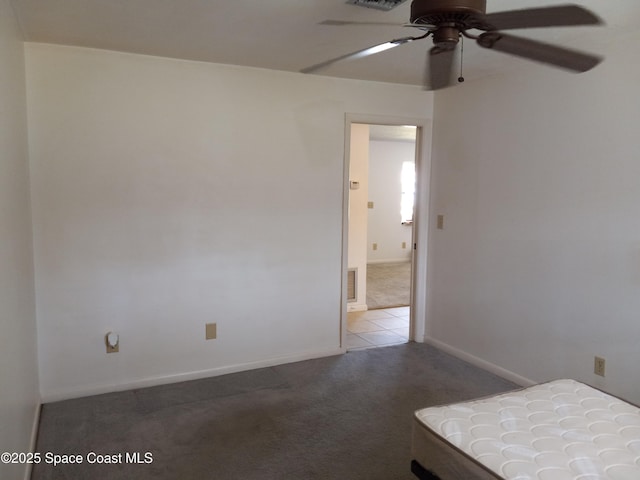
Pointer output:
x,y
187,192
382,184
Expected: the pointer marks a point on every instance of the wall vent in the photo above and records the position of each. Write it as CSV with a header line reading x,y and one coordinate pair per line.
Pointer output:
x,y
377,4
352,281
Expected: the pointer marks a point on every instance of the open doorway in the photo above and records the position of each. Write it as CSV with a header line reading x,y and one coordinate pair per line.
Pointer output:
x,y
381,196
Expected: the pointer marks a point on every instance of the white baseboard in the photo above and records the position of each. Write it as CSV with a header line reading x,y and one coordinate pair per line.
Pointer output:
x,y
66,394
479,362
357,307
389,260
34,438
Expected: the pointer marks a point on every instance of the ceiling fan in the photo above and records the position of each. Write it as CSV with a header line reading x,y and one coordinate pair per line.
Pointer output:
x,y
446,21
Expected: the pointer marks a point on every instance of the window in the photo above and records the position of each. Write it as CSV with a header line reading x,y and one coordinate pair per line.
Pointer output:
x,y
408,183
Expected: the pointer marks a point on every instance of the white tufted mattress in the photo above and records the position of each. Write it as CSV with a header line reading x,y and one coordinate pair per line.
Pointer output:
x,y
561,430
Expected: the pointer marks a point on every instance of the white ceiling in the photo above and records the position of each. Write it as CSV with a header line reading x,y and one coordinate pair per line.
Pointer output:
x,y
286,35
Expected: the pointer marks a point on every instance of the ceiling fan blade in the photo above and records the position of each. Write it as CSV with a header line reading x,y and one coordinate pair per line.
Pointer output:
x,y
340,23
538,51
439,68
360,53
557,16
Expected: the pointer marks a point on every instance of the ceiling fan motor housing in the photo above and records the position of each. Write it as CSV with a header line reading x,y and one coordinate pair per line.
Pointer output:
x,y
448,17
435,12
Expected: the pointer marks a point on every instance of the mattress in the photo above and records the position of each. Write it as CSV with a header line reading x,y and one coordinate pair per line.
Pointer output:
x,y
561,430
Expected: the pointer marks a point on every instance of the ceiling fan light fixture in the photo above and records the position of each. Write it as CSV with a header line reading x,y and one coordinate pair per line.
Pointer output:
x,y
385,5
446,37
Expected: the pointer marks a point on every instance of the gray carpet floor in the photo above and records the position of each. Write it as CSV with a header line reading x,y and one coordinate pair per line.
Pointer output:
x,y
388,285
342,417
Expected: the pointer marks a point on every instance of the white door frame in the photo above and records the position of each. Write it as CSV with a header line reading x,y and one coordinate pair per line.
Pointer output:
x,y
421,219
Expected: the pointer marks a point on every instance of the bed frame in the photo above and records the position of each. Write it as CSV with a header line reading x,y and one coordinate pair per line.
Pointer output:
x,y
561,430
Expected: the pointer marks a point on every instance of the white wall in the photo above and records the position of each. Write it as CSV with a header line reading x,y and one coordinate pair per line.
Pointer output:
x,y
19,397
167,194
358,212
538,266
386,159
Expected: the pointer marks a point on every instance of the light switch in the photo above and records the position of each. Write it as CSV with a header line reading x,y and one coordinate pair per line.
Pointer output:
x,y
370,204
440,222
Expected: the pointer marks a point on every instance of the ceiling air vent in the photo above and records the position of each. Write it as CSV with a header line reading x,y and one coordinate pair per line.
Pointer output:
x,y
377,4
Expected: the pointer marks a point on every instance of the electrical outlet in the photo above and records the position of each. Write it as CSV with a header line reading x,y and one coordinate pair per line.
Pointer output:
x,y
211,331
598,366
369,204
112,341
440,222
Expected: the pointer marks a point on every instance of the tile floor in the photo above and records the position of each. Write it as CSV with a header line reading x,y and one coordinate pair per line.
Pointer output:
x,y
377,328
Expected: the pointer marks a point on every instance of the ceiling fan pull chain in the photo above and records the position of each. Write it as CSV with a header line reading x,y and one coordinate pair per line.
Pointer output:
x,y
461,78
